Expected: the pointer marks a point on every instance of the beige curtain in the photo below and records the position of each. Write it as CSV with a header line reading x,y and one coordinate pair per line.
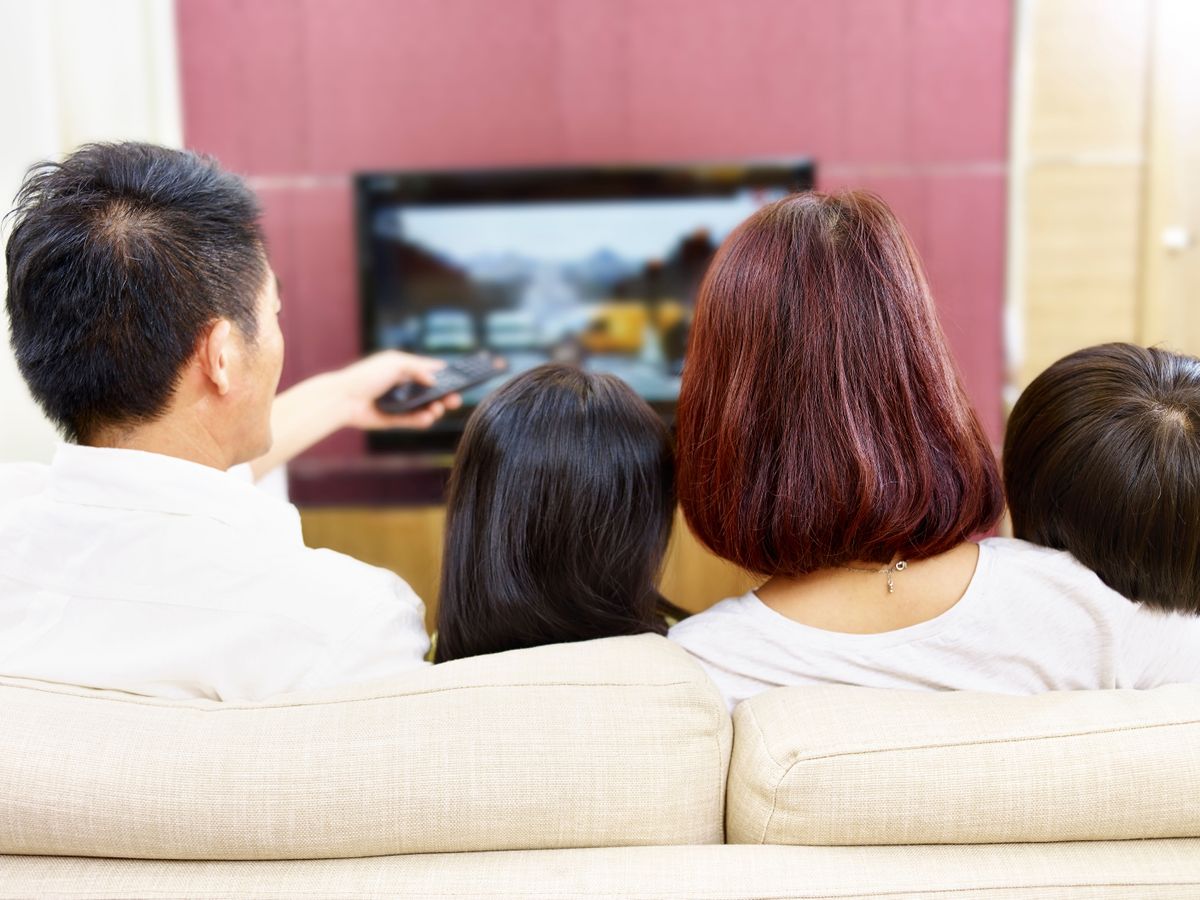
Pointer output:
x,y
73,71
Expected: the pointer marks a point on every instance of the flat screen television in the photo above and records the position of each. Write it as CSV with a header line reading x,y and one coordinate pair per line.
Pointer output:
x,y
594,266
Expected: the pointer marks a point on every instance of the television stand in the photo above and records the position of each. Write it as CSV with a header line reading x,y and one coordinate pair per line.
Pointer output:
x,y
392,479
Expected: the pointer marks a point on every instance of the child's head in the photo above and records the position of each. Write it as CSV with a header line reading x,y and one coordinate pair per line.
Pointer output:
x,y
560,509
1102,458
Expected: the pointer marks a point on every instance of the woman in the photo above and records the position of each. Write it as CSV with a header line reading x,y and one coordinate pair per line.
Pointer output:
x,y
560,509
826,443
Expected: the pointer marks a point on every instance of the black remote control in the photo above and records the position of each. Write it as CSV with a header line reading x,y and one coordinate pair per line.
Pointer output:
x,y
457,376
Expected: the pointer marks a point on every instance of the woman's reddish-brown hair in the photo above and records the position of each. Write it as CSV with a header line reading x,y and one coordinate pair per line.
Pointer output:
x,y
821,419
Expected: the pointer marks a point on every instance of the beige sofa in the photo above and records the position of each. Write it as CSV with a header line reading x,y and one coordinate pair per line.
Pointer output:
x,y
599,770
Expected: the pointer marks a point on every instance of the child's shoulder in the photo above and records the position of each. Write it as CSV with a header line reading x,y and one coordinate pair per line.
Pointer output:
x,y
1034,569
1024,555
721,615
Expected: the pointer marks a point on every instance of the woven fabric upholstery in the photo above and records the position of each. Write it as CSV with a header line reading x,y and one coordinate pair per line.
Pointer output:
x,y
845,765
616,742
1129,870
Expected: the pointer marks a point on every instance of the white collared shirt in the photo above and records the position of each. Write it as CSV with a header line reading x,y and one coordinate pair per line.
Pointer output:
x,y
150,574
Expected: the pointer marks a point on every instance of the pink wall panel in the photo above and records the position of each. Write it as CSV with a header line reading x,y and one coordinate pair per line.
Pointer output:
x,y
279,225
244,83
963,250
961,68
875,78
310,240
907,97
432,83
728,80
593,82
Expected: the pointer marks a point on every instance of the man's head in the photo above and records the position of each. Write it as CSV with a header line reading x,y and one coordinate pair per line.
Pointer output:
x,y
139,292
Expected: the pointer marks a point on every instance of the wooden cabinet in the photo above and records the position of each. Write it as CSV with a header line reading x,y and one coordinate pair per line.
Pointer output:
x,y
1105,191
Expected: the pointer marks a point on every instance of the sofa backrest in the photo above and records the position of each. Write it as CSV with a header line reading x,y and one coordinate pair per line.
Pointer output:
x,y
607,743
843,765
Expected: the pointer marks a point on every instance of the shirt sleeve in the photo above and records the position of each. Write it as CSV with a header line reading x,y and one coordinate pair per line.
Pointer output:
x,y
388,639
1160,648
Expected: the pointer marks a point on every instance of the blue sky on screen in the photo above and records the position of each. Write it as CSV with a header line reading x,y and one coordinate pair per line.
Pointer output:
x,y
570,231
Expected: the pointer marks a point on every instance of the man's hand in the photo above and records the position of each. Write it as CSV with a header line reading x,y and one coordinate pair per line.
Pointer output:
x,y
362,382
314,409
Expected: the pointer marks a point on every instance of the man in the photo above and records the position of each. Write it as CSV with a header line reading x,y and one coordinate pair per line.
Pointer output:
x,y
144,319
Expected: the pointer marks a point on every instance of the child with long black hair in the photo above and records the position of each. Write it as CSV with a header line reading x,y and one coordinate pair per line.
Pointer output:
x,y
560,509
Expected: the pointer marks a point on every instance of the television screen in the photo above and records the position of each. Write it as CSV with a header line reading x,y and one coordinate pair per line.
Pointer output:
x,y
598,268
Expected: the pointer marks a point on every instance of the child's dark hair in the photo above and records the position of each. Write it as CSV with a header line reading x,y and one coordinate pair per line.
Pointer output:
x,y
560,509
1102,458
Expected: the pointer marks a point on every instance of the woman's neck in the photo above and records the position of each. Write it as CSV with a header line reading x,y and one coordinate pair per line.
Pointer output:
x,y
855,599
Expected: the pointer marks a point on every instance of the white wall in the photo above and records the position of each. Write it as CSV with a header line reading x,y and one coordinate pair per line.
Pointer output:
x,y
73,71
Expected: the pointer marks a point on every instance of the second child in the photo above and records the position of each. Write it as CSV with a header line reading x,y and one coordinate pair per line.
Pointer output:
x,y
560,509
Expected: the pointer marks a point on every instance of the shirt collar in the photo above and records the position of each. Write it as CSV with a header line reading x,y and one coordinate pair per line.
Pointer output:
x,y
153,482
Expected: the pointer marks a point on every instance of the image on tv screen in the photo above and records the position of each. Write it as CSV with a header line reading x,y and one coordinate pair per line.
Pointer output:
x,y
604,283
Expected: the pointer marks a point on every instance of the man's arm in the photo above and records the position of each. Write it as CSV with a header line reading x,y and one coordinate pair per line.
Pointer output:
x,y
316,408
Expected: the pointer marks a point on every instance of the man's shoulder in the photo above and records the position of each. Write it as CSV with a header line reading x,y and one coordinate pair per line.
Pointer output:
x,y
360,593
324,562
360,583
22,479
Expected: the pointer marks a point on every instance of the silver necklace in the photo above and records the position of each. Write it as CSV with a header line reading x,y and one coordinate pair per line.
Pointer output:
x,y
886,570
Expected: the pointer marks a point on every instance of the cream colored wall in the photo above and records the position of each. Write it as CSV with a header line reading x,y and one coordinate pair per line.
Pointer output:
x,y
73,71
1078,123
1170,312
1105,163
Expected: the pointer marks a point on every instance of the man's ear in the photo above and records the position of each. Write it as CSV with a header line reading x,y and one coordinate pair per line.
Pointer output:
x,y
215,353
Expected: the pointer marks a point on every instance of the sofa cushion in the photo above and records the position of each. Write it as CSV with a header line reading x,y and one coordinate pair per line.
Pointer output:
x,y
1116,870
615,742
842,765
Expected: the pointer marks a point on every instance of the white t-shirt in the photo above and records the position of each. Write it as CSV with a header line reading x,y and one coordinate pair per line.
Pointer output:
x,y
1031,620
150,574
